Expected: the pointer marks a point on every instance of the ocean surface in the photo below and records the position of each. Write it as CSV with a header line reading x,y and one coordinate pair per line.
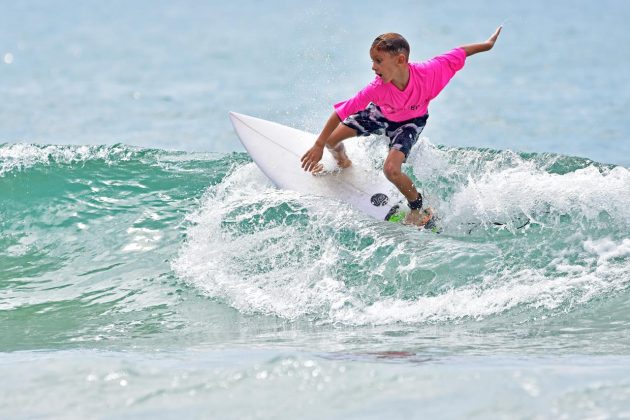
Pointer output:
x,y
148,269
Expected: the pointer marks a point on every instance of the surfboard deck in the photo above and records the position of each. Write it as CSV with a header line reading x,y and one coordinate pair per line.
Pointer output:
x,y
277,150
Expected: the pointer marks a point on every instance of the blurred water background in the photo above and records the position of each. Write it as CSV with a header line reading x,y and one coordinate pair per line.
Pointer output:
x,y
149,269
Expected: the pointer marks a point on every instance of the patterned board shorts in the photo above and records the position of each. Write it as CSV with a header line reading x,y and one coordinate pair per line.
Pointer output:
x,y
402,135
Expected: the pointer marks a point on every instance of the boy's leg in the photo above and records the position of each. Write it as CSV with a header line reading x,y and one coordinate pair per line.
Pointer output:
x,y
311,159
365,122
336,147
393,172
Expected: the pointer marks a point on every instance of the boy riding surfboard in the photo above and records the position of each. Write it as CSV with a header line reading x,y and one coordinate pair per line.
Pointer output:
x,y
395,104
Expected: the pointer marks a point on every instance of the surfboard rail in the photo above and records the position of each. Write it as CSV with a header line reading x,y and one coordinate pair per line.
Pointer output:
x,y
276,149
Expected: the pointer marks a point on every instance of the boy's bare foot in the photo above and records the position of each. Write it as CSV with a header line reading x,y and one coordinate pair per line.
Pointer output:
x,y
339,153
419,217
343,164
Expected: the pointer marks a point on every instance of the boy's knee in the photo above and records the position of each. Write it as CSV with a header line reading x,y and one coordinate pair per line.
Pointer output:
x,y
392,171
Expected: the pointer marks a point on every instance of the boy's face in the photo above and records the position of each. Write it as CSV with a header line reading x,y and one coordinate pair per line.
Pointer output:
x,y
387,65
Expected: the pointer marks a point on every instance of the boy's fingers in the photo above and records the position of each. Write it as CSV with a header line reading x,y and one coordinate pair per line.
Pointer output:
x,y
495,35
310,159
305,159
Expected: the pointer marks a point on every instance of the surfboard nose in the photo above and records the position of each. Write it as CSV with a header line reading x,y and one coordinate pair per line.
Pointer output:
x,y
247,120
237,117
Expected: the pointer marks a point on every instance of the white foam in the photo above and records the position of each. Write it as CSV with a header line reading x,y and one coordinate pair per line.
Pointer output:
x,y
525,190
607,249
499,186
299,269
20,156
225,264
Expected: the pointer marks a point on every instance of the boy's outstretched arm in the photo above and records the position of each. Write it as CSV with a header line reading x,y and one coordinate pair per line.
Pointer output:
x,y
482,46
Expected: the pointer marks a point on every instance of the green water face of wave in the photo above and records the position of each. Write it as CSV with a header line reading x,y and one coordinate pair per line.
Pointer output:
x,y
87,234
107,243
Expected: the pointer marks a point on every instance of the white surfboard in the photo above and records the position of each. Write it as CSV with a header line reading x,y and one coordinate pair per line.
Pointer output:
x,y
277,150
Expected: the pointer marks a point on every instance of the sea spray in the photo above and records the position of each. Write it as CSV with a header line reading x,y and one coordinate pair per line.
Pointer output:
x,y
276,252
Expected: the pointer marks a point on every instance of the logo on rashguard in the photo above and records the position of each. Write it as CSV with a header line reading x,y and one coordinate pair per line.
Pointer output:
x,y
379,199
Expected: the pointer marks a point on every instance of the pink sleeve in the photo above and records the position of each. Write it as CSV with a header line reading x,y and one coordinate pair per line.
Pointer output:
x,y
357,103
441,69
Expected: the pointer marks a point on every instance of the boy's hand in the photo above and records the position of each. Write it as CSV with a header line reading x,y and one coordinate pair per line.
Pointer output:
x,y
312,157
482,46
494,37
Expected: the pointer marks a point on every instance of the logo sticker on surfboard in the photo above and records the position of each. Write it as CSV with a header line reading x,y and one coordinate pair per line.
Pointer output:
x,y
379,199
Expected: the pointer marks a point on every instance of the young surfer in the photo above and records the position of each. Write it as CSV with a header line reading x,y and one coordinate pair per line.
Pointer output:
x,y
396,104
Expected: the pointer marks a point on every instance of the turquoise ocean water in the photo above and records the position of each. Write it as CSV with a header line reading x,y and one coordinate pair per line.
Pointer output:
x,y
148,269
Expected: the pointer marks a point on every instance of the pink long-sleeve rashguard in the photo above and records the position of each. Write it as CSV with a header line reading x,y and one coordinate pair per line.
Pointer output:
x,y
426,81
